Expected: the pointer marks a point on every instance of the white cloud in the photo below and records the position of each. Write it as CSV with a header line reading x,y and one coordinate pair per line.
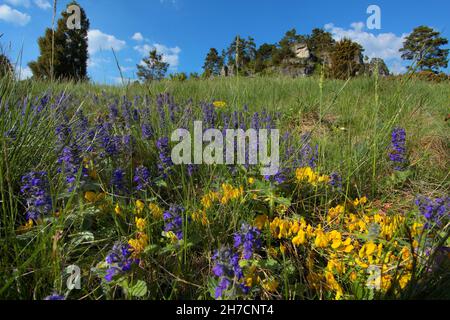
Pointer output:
x,y
384,45
170,55
138,37
43,4
169,1
358,26
144,49
23,73
94,62
99,41
19,3
397,68
120,81
13,16
126,69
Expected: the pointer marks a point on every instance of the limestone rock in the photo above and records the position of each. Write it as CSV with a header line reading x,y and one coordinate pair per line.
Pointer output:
x,y
371,67
301,51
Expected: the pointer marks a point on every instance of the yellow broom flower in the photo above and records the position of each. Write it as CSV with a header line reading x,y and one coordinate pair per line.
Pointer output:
x,y
139,207
299,239
155,210
117,209
140,224
219,104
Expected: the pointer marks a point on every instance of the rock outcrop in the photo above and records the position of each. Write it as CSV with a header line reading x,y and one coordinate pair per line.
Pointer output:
x,y
375,63
301,65
228,71
301,51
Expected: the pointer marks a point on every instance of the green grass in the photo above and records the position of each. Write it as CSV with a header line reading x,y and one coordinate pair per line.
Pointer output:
x,y
350,121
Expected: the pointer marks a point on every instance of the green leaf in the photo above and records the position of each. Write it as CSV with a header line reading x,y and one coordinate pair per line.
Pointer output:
x,y
151,248
161,183
244,263
283,201
138,290
81,237
271,263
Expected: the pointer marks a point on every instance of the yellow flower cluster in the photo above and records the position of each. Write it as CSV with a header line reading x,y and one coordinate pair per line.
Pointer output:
x,y
141,224
254,277
200,216
230,193
298,231
307,174
219,104
92,197
346,244
270,285
171,236
90,167
208,199
140,206
333,285
26,227
227,194
155,210
335,212
360,202
261,221
351,222
141,241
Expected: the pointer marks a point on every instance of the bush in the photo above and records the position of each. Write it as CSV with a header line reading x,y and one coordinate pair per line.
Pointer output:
x,y
5,66
431,76
178,76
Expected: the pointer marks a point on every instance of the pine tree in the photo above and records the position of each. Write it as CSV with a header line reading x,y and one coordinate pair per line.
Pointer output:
x,y
264,56
346,59
213,63
320,42
153,67
241,53
424,46
285,46
70,51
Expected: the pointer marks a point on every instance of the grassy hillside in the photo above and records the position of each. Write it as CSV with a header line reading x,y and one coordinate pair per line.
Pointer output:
x,y
87,163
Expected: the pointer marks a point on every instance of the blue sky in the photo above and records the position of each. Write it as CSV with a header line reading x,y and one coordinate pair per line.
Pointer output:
x,y
184,30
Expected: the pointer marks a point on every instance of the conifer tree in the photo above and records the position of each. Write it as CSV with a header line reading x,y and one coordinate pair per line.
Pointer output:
x,y
153,67
70,54
346,59
213,63
320,42
423,45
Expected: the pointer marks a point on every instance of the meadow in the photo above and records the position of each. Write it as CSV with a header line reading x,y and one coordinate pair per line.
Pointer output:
x,y
359,209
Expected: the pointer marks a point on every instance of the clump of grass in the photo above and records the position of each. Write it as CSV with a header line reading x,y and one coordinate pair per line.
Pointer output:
x,y
350,122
